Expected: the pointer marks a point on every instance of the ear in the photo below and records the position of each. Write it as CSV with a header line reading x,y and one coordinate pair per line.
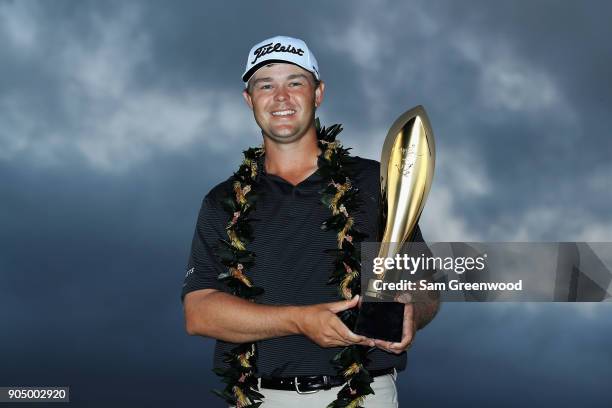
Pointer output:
x,y
319,92
247,98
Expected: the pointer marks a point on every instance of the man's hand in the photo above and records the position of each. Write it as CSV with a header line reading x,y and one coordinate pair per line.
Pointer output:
x,y
320,324
408,333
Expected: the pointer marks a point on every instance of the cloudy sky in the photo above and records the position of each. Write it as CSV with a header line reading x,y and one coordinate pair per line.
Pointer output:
x,y
116,118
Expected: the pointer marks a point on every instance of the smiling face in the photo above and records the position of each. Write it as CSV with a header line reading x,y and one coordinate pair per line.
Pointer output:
x,y
283,98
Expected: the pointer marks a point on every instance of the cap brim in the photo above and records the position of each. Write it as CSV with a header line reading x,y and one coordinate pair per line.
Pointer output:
x,y
247,75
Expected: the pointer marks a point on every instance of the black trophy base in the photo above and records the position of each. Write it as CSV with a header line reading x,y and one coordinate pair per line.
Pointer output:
x,y
381,320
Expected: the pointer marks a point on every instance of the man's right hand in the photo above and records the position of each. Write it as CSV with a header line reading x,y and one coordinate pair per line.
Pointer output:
x,y
320,324
206,315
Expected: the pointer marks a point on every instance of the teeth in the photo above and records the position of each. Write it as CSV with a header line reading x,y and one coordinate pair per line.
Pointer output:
x,y
283,113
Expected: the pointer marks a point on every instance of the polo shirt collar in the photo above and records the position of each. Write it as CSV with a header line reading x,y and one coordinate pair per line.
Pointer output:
x,y
314,182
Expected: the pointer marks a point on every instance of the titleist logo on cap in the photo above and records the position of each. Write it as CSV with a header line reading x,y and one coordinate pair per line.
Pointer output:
x,y
278,47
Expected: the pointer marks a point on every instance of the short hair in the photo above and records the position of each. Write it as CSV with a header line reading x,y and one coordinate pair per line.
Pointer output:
x,y
316,81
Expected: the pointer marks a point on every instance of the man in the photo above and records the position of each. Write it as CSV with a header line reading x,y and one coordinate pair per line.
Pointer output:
x,y
295,321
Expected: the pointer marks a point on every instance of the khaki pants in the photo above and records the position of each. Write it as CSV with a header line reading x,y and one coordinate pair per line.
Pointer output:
x,y
384,388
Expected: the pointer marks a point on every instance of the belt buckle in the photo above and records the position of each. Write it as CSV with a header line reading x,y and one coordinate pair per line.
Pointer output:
x,y
297,388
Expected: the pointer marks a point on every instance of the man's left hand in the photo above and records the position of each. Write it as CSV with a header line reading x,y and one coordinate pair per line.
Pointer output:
x,y
408,332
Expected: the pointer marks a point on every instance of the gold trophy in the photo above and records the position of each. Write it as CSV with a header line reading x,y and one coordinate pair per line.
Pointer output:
x,y
406,172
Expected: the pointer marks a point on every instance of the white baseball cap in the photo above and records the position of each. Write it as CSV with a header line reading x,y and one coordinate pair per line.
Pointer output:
x,y
280,49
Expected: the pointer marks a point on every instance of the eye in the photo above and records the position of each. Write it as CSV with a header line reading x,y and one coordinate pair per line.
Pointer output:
x,y
295,84
266,86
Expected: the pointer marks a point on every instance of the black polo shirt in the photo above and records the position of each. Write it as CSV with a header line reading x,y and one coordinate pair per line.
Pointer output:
x,y
291,263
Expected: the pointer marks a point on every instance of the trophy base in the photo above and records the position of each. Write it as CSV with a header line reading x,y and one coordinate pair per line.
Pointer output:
x,y
381,320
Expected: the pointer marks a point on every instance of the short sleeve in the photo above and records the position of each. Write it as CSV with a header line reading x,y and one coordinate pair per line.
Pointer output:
x,y
203,266
421,249
428,272
418,236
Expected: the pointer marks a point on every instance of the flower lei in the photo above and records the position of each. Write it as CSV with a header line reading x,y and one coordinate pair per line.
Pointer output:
x,y
341,197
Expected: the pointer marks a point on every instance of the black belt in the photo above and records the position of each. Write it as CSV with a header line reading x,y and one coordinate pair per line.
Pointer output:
x,y
312,383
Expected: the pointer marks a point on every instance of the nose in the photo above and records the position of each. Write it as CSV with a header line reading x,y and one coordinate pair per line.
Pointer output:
x,y
281,94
